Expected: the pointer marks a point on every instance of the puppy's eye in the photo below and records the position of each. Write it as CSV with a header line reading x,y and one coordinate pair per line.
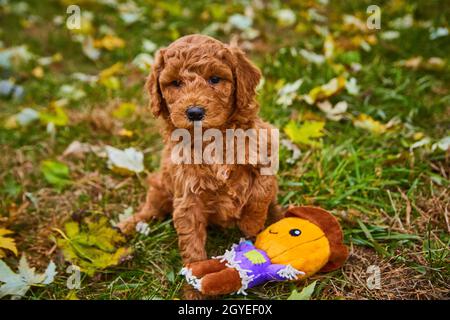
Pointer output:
x,y
295,232
214,80
176,83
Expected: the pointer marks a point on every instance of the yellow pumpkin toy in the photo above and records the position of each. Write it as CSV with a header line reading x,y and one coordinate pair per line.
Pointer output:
x,y
305,241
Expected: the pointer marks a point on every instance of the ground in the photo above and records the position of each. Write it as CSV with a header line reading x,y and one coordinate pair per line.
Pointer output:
x,y
381,165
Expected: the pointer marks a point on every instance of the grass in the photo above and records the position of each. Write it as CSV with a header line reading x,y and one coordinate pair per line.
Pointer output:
x,y
392,201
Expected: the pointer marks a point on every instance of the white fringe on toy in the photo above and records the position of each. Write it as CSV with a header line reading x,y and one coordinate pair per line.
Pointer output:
x,y
230,257
191,279
289,272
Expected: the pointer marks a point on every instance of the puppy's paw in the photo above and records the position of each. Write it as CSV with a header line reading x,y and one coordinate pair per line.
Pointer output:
x,y
127,226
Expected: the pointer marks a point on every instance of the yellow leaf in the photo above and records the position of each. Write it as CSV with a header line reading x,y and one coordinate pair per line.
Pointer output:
x,y
124,110
125,133
326,90
305,134
56,114
111,71
109,42
418,136
366,122
38,72
7,243
328,47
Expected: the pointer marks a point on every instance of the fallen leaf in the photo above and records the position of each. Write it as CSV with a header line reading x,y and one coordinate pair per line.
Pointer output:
x,y
328,47
438,33
443,144
130,12
423,142
240,21
7,243
9,89
92,245
14,56
23,118
71,92
55,114
38,72
77,149
366,122
109,42
325,91
288,93
56,173
305,294
126,161
88,48
124,110
17,284
312,56
285,17
296,153
335,113
125,133
149,46
111,71
415,63
352,86
305,134
143,61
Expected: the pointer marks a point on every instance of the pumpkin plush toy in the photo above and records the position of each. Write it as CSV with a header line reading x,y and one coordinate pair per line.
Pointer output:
x,y
305,241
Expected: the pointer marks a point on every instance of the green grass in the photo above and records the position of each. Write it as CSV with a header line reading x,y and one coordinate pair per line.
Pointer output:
x,y
361,176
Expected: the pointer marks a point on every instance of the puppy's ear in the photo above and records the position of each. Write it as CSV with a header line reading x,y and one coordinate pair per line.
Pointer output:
x,y
157,102
247,77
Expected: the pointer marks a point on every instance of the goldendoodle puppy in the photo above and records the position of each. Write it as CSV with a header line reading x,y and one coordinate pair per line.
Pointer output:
x,y
198,79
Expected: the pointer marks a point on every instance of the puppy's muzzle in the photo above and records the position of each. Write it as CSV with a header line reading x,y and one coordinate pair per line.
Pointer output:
x,y
195,113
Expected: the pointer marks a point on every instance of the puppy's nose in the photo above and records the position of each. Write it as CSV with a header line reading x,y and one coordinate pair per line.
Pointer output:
x,y
195,113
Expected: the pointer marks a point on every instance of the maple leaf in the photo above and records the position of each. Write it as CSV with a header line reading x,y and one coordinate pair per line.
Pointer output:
x,y
109,42
56,173
325,91
366,122
305,134
305,294
17,284
335,113
126,161
91,245
6,243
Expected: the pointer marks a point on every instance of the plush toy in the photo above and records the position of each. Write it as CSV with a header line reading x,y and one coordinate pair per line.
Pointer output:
x,y
305,241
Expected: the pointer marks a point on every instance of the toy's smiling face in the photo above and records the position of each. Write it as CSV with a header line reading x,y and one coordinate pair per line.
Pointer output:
x,y
297,242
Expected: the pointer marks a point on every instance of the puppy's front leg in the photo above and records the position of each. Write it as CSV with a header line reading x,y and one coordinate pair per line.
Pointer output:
x,y
190,223
157,205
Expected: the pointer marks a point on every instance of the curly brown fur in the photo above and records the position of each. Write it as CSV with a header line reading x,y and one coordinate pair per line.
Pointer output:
x,y
200,194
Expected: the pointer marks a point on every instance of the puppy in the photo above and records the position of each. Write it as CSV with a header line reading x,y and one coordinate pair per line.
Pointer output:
x,y
200,79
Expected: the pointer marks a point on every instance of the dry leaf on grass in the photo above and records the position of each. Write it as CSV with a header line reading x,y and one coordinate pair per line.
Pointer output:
x,y
92,245
7,243
307,133
128,161
17,284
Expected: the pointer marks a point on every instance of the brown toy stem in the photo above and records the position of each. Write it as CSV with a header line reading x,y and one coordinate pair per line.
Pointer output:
x,y
201,268
216,277
223,282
